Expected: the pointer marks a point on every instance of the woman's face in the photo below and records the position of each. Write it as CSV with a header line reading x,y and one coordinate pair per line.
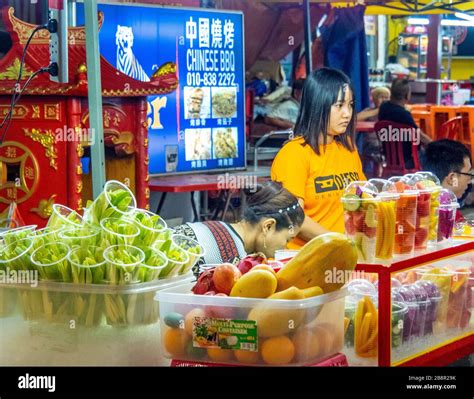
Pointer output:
x,y
341,113
381,98
274,239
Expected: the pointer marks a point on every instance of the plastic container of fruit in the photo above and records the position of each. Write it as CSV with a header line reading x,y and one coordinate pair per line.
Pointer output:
x,y
406,216
434,298
431,183
360,205
423,209
399,314
248,331
447,216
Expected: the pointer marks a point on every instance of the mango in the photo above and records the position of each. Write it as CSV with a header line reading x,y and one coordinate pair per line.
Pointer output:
x,y
318,262
255,284
273,321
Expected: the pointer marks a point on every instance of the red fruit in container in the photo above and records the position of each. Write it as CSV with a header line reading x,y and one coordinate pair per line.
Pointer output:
x,y
204,283
423,208
420,236
358,220
349,224
220,312
370,231
250,261
224,277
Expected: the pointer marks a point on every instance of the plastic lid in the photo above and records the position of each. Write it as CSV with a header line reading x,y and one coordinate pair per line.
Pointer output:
x,y
430,179
421,183
403,184
447,199
361,287
399,308
429,287
362,189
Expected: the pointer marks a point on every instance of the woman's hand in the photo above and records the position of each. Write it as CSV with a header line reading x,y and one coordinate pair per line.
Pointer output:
x,y
310,228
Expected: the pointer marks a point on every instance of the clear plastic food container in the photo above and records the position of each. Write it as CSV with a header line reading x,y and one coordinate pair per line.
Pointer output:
x,y
406,216
194,250
62,216
447,215
432,183
250,331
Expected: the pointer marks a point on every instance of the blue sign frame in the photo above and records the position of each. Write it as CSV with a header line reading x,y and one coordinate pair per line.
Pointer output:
x,y
201,126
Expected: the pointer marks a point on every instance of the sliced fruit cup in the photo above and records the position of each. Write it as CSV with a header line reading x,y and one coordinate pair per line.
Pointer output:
x,y
422,219
459,312
434,215
117,231
115,201
401,296
155,262
17,255
434,298
405,224
87,265
19,233
349,316
360,220
51,261
150,225
194,250
84,236
442,278
63,216
399,314
387,212
123,264
366,327
447,216
46,235
178,259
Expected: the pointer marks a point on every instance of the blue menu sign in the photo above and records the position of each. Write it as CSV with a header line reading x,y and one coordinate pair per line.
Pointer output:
x,y
201,126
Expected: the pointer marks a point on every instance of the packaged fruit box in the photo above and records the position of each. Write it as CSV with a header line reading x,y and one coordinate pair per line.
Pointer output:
x,y
250,331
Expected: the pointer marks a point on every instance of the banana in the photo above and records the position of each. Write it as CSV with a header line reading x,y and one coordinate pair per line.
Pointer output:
x,y
364,330
379,236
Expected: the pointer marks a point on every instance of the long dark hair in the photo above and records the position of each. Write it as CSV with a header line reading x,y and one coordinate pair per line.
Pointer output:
x,y
320,92
272,200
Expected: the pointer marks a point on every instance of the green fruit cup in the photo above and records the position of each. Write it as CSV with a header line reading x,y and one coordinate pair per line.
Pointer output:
x,y
151,226
46,235
17,255
118,232
51,261
84,236
10,236
63,216
123,264
194,250
177,257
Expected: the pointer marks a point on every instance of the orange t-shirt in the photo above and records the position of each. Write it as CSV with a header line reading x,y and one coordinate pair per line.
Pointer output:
x,y
318,179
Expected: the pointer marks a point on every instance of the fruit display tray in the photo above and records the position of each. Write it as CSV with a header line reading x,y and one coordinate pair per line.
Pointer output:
x,y
426,350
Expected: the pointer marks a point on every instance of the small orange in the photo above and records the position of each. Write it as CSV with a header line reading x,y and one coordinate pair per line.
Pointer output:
x,y
247,357
175,341
220,355
306,343
189,319
326,337
278,350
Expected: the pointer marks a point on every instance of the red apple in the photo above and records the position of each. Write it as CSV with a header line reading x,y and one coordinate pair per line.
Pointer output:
x,y
225,276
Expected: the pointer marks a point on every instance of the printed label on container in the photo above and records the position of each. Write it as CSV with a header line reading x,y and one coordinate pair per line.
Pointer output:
x,y
225,334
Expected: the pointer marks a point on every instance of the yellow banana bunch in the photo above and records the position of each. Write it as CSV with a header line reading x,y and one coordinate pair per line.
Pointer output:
x,y
366,329
385,230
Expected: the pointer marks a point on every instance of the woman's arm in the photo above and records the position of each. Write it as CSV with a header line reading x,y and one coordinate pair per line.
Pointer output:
x,y
367,113
310,228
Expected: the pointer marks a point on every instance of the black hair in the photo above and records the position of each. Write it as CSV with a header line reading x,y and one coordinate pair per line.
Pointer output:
x,y
445,156
321,91
400,89
272,200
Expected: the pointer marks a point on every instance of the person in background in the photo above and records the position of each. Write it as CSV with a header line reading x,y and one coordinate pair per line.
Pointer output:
x,y
395,111
322,160
284,114
450,161
379,96
271,218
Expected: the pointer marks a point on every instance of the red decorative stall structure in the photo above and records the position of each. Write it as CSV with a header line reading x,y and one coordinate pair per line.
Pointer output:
x,y
40,159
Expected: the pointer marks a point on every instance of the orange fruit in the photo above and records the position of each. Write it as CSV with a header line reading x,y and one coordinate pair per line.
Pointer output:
x,y
220,355
306,344
175,341
247,357
325,337
278,350
189,320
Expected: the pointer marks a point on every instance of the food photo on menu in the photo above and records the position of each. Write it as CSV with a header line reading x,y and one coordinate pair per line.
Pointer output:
x,y
224,142
198,144
197,102
224,102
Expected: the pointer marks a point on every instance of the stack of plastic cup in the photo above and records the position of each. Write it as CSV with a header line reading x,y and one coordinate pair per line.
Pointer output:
x,y
432,183
360,218
447,215
405,225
